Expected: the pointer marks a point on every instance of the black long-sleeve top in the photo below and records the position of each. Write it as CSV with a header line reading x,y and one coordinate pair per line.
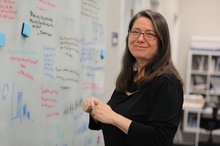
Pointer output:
x,y
154,110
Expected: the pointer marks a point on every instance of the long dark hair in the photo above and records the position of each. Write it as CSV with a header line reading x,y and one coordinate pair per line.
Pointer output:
x,y
160,63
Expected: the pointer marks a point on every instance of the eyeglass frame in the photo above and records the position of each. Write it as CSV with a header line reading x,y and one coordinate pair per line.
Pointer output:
x,y
136,34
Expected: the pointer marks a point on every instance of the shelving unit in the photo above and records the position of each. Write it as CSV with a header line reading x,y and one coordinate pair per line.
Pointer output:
x,y
202,82
203,78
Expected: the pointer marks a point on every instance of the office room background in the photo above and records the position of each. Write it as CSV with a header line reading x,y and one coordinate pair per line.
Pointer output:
x,y
54,54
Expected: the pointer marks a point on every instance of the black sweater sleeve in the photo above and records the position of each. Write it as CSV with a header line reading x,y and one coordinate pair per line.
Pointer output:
x,y
94,125
163,118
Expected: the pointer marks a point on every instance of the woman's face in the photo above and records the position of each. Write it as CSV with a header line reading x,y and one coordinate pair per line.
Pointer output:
x,y
145,45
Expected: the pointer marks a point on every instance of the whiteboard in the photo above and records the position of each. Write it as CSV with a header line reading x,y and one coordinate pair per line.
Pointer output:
x,y
46,76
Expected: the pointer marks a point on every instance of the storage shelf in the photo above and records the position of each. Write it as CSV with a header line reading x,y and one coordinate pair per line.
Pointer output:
x,y
203,78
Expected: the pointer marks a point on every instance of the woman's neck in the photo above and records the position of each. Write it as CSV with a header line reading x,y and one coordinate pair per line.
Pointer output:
x,y
140,70
139,74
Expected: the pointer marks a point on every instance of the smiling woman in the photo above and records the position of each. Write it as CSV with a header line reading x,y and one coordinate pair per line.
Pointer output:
x,y
146,104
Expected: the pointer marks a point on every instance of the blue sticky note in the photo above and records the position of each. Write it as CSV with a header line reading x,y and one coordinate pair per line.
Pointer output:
x,y
26,30
2,39
103,54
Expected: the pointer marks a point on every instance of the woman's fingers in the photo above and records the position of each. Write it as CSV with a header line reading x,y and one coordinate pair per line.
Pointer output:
x,y
89,104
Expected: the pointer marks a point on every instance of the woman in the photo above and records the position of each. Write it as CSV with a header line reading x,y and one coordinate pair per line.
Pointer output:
x,y
146,105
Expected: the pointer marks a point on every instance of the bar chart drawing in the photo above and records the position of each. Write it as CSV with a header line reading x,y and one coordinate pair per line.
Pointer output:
x,y
22,111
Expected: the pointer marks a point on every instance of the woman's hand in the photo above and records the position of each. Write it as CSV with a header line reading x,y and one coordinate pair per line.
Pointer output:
x,y
89,104
103,112
99,111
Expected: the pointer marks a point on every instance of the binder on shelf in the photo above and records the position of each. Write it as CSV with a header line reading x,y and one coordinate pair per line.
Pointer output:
x,y
200,63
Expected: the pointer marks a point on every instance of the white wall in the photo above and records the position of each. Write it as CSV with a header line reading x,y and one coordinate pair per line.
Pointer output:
x,y
197,18
113,58
170,10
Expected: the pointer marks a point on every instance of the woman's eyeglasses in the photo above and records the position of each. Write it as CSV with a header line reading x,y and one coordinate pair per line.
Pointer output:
x,y
147,35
